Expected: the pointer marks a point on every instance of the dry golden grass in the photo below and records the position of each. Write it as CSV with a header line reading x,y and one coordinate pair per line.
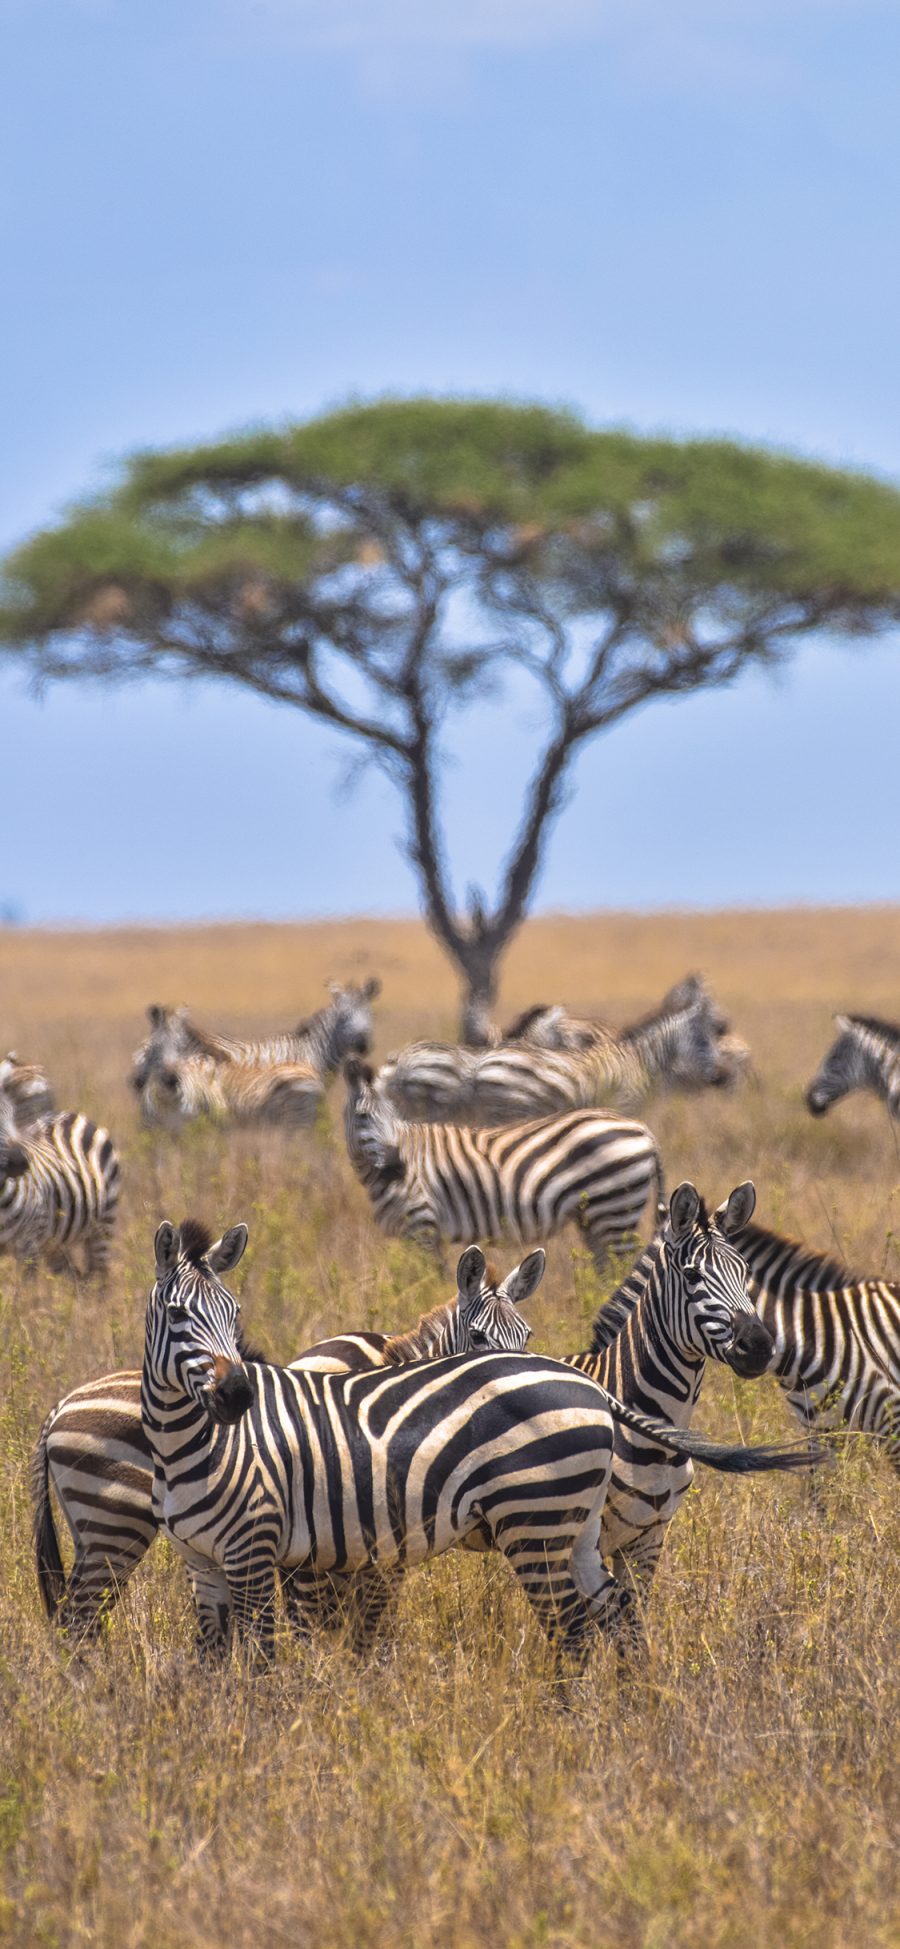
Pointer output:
x,y
747,1792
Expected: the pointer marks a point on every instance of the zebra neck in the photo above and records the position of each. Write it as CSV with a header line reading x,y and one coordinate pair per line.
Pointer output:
x,y
664,1377
174,1423
651,1046
320,1047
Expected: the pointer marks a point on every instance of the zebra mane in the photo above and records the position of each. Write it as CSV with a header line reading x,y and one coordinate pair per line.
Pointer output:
x,y
618,1309
825,1271
402,1347
870,1024
195,1240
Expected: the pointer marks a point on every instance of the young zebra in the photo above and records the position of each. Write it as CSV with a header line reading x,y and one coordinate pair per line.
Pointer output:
x,y
59,1186
864,1056
430,1182
343,1028
257,1467
93,1452
836,1336
583,1066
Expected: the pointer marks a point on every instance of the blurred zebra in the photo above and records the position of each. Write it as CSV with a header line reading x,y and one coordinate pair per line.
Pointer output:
x,y
557,1063
93,1452
836,1336
59,1186
288,1094
864,1056
321,1043
430,1181
28,1090
257,1467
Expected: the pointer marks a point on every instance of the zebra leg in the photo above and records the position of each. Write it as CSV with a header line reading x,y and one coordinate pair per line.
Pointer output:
x,y
212,1601
94,1586
252,1589
372,1595
634,1568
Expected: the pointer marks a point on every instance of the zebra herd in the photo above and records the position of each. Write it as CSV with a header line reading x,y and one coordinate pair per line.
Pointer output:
x,y
370,1452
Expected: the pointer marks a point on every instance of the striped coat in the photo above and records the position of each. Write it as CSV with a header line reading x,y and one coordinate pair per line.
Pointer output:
x,y
256,1467
836,1336
93,1451
59,1188
434,1181
557,1064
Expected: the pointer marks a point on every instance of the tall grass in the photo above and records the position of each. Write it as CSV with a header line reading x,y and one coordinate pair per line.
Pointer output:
x,y
745,1790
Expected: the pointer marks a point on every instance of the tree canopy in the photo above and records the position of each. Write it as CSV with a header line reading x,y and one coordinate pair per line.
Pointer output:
x,y
378,565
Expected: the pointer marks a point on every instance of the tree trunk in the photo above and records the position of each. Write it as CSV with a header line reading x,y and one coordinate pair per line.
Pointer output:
x,y
477,1029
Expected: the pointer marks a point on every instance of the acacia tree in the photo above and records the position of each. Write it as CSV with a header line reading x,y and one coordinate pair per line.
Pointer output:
x,y
377,567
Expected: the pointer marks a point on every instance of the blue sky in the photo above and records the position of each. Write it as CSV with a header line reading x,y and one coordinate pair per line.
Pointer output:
x,y
219,211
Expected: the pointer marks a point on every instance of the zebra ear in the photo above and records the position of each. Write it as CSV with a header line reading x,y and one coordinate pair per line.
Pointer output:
x,y
166,1246
684,1205
844,1023
156,1015
738,1209
525,1278
371,988
470,1272
229,1249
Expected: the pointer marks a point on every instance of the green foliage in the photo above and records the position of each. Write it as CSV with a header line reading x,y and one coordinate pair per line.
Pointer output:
x,y
188,524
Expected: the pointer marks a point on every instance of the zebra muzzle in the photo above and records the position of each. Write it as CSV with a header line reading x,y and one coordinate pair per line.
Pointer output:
x,y
230,1393
751,1348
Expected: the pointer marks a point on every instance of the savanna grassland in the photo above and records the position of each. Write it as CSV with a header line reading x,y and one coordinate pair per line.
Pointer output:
x,y
746,1791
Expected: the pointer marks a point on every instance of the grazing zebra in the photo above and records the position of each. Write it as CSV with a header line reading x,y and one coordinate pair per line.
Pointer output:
x,y
256,1467
864,1056
673,1049
343,1028
288,1094
836,1336
93,1451
59,1186
431,1181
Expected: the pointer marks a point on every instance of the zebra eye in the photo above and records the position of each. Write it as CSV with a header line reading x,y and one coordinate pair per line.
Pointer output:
x,y
178,1313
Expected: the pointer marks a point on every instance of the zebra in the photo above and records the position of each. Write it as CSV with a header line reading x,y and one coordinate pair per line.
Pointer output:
x,y
836,1336
59,1186
685,1301
532,1076
257,1467
288,1094
429,1182
29,1091
864,1056
343,1028
93,1451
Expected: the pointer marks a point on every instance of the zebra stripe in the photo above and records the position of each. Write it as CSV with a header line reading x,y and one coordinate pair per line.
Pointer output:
x,y
260,1466
59,1188
837,1337
288,1095
864,1056
93,1450
557,1064
433,1181
27,1087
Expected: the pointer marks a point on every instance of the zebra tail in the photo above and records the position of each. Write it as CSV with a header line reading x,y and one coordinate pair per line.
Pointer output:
x,y
48,1563
731,1458
662,1209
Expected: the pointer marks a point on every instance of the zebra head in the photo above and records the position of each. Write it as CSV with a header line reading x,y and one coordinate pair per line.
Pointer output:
x,y
192,1344
348,1020
707,1302
854,1061
170,1037
371,1126
29,1091
695,1058
13,1154
488,1313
